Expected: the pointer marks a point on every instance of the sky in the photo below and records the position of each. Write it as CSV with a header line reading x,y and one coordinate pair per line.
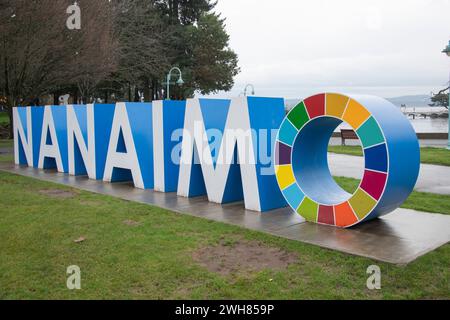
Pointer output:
x,y
296,48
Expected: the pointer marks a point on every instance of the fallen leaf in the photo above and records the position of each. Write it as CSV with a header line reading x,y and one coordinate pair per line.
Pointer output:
x,y
80,239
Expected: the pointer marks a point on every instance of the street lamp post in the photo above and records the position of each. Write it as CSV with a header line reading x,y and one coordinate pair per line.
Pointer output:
x,y
447,52
179,82
247,87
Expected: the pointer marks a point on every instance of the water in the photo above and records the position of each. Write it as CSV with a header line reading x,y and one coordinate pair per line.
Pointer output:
x,y
430,125
419,125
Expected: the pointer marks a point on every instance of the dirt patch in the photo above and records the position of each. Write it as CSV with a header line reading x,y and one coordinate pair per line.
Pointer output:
x,y
131,223
59,194
243,257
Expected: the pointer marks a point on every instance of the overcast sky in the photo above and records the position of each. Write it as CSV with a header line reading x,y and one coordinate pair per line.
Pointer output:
x,y
294,48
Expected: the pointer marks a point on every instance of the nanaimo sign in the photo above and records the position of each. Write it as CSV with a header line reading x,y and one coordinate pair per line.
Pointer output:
x,y
231,150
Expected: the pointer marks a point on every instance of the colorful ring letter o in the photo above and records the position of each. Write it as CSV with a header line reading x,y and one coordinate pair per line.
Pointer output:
x,y
391,152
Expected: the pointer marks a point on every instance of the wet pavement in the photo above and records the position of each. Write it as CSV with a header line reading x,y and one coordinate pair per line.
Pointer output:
x,y
398,238
432,178
436,143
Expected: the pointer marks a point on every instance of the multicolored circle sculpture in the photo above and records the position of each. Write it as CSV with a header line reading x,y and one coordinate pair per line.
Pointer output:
x,y
391,151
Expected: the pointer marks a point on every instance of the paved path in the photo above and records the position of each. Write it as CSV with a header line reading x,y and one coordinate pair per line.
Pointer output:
x,y
398,238
423,143
432,178
6,151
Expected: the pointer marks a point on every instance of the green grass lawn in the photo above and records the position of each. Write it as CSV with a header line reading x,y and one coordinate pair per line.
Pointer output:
x,y
350,150
154,259
4,119
435,156
6,143
422,201
439,156
9,158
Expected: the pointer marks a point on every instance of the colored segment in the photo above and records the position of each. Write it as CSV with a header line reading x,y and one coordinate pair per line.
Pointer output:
x,y
308,210
287,133
373,183
380,191
285,176
315,106
282,154
362,203
370,133
355,114
298,116
293,195
377,158
336,104
344,215
326,215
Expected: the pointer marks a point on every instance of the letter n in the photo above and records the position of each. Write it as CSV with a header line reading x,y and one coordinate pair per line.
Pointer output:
x,y
81,140
53,146
23,136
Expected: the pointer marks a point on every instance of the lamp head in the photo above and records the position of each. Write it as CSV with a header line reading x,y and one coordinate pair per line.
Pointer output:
x,y
180,82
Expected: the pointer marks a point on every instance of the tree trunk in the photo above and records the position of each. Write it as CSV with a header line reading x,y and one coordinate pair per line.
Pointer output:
x,y
153,90
136,95
9,103
147,91
161,95
56,99
175,11
75,95
129,92
10,115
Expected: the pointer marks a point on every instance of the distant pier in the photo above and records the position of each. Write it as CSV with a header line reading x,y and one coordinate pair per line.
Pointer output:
x,y
425,113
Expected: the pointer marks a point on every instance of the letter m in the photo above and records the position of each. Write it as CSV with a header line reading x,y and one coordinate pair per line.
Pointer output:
x,y
231,174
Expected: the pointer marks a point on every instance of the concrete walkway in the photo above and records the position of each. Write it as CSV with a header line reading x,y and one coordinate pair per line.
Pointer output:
x,y
442,143
398,238
432,178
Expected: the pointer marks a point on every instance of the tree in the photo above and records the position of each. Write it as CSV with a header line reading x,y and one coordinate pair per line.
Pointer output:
x,y
440,99
199,45
40,55
31,50
214,64
123,50
184,12
92,50
142,53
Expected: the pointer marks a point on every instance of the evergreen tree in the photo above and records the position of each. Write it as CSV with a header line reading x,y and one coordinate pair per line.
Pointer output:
x,y
440,99
199,45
